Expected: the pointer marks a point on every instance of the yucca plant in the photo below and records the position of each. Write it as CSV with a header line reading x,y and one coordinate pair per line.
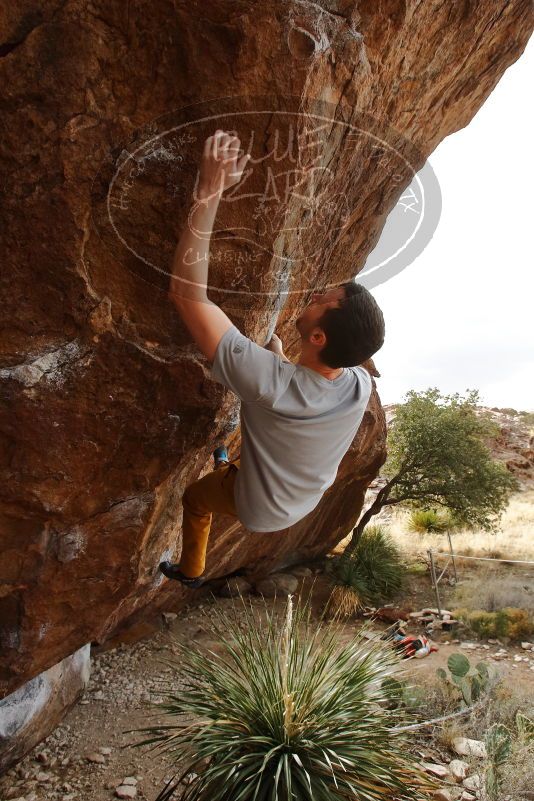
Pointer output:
x,y
373,572
286,712
429,521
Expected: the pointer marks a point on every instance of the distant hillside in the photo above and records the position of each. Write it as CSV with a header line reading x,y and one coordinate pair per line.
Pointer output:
x,y
514,445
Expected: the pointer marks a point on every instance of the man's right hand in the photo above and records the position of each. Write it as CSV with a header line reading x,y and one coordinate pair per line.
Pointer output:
x,y
275,345
221,166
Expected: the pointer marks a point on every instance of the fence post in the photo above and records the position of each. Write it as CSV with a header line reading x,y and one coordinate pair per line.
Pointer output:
x,y
434,580
452,557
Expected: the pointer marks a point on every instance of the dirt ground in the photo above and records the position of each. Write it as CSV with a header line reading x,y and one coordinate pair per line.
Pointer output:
x,y
127,676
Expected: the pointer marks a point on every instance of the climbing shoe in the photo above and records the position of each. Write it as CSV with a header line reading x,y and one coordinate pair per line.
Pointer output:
x,y
220,456
172,572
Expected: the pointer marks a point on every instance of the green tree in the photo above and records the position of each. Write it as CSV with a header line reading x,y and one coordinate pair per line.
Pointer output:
x,y
437,457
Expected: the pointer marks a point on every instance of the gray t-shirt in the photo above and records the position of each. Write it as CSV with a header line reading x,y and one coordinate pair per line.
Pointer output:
x,y
296,426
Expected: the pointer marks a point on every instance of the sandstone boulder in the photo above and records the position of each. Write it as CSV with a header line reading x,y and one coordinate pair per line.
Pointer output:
x,y
234,587
31,712
107,411
301,571
277,585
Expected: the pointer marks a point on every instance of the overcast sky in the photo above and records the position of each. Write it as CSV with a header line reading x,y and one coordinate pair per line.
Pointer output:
x,y
462,314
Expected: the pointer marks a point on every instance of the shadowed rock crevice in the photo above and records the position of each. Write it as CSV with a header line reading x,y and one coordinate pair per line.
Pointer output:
x,y
7,47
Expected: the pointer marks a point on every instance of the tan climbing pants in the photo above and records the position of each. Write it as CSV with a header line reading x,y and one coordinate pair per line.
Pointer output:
x,y
212,493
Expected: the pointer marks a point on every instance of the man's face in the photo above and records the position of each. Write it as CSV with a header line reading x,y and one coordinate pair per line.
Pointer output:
x,y
310,317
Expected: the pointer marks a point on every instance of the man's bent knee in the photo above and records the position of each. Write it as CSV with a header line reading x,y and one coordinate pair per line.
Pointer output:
x,y
193,501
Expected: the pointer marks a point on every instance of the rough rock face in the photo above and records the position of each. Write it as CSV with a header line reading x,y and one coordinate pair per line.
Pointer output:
x,y
514,443
107,410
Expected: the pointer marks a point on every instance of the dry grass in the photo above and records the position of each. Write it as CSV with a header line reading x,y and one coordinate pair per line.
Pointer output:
x,y
504,702
448,733
490,590
502,705
487,586
513,540
344,602
484,585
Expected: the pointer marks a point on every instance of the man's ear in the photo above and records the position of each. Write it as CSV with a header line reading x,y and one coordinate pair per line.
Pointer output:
x,y
318,337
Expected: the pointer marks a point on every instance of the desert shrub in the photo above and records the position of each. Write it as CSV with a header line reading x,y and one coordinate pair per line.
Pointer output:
x,y
373,572
483,623
287,711
429,521
519,623
515,624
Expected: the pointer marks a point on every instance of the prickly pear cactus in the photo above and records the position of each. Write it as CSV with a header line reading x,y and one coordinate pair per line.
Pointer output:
x,y
459,666
472,683
498,746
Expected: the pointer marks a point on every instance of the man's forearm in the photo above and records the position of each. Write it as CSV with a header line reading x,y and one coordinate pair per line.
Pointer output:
x,y
221,167
190,267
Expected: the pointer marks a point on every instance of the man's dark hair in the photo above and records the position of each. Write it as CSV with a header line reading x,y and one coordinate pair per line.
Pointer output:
x,y
355,330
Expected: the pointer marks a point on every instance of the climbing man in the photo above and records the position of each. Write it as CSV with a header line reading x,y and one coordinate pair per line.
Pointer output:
x,y
297,419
